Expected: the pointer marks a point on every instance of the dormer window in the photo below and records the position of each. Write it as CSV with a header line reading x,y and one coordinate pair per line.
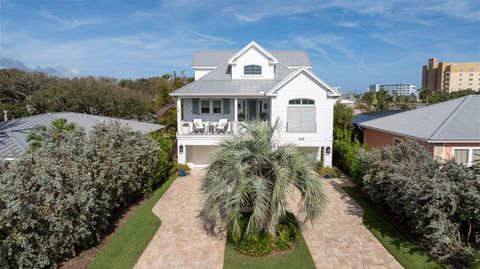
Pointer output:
x,y
252,69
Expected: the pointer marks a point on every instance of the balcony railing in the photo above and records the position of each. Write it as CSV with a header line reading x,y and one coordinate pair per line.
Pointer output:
x,y
207,128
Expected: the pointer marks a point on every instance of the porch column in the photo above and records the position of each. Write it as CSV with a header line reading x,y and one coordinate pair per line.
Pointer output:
x,y
235,114
179,115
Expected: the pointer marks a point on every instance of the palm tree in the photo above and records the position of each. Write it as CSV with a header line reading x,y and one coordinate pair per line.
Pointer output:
x,y
251,172
36,136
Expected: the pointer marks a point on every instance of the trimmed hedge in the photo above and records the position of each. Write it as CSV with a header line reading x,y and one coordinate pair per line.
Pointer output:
x,y
439,203
261,243
61,197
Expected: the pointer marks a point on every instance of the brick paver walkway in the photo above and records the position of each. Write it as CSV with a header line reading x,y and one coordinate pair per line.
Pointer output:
x,y
180,242
338,239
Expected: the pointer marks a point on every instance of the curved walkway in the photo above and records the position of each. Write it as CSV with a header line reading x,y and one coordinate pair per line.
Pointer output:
x,y
338,238
180,242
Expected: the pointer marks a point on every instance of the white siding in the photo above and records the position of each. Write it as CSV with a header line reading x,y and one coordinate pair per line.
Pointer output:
x,y
303,86
200,72
252,56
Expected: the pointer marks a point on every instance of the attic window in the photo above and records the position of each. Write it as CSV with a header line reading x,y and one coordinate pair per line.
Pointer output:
x,y
252,69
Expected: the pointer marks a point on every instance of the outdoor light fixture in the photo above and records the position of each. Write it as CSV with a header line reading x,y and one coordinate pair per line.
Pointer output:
x,y
239,106
265,106
180,149
328,150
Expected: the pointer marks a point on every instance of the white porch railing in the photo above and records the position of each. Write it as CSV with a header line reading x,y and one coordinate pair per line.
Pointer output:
x,y
207,128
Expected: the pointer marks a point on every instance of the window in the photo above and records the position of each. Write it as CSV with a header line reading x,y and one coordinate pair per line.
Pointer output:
x,y
475,156
396,141
217,106
205,106
301,119
461,155
252,70
301,102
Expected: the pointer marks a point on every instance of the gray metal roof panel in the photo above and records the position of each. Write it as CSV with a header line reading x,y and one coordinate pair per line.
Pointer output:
x,y
219,83
13,133
290,58
463,124
454,120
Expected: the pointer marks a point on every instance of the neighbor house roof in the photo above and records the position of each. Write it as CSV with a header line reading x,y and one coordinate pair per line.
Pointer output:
x,y
367,116
13,133
219,82
456,120
290,58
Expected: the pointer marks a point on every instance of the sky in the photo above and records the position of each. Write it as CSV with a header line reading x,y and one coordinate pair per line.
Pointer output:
x,y
352,44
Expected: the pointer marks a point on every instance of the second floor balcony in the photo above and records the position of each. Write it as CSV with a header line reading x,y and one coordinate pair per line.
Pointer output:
x,y
219,116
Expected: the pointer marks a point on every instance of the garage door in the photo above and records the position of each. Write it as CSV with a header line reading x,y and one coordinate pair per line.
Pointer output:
x,y
199,155
310,152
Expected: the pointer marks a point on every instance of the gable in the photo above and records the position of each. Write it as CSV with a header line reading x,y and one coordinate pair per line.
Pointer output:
x,y
258,48
256,57
302,82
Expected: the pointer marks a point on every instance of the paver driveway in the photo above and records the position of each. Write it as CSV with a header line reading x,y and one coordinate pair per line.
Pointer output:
x,y
338,239
180,242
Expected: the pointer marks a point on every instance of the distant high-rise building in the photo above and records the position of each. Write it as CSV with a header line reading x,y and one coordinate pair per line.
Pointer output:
x,y
451,77
399,89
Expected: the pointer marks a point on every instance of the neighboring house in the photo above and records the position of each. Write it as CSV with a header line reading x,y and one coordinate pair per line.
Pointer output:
x,y
450,129
13,133
231,87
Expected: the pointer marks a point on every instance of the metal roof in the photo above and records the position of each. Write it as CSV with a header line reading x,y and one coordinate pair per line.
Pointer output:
x,y
219,82
367,116
289,58
13,133
456,120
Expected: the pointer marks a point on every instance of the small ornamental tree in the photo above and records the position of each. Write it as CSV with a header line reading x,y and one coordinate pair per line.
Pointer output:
x,y
251,173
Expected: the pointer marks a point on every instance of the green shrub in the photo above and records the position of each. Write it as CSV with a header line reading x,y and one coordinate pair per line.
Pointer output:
x,y
61,197
345,155
164,161
329,172
438,203
184,167
260,243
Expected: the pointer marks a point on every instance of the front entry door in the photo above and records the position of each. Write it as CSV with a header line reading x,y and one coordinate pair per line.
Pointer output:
x,y
252,110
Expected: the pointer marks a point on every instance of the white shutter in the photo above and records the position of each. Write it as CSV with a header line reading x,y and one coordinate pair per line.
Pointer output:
x,y
301,119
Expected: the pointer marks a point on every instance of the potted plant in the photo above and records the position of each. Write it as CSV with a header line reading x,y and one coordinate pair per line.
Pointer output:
x,y
185,128
183,169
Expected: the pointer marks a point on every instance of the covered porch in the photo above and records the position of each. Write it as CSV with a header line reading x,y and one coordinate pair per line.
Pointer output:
x,y
217,115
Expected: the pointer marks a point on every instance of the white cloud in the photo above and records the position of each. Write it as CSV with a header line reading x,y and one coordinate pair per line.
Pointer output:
x,y
69,24
209,37
123,56
393,10
61,71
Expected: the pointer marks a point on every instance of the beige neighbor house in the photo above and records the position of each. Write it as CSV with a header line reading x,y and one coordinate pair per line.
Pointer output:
x,y
451,77
450,129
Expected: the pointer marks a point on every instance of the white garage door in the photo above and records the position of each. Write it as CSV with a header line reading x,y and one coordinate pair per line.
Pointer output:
x,y
199,155
311,152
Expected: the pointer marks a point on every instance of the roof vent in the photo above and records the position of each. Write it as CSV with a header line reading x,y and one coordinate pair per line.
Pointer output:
x,y
429,118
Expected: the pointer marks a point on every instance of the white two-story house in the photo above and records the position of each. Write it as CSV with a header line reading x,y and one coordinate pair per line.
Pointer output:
x,y
233,87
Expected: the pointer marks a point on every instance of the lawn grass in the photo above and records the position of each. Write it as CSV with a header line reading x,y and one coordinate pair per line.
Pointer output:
x,y
407,252
124,249
298,258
